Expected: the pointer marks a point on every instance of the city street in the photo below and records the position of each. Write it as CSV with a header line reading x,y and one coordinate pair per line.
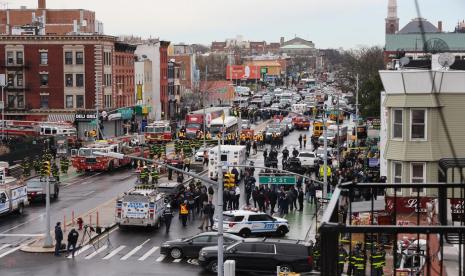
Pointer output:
x,y
129,250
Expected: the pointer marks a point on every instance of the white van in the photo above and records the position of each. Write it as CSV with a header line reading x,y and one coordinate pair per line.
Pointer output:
x,y
230,154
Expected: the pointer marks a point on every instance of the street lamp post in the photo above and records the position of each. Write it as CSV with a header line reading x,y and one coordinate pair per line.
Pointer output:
x,y
220,207
3,84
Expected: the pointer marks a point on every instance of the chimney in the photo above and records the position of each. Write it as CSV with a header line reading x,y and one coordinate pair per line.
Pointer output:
x,y
42,4
440,26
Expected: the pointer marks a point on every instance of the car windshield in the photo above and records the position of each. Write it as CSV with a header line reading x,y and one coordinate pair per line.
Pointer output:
x,y
35,183
193,125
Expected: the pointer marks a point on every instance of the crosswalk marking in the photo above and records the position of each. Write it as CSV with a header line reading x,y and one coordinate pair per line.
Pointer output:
x,y
3,246
132,252
161,258
114,252
84,248
10,251
98,251
177,260
150,252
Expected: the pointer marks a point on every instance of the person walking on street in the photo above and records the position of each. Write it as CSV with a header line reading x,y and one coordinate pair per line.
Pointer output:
x,y
205,158
273,198
73,237
211,214
265,154
184,212
205,217
300,197
305,140
300,141
167,216
187,164
210,192
58,238
238,196
312,192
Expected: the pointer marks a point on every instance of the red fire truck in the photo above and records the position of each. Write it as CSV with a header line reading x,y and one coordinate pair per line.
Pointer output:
x,y
159,131
196,119
89,158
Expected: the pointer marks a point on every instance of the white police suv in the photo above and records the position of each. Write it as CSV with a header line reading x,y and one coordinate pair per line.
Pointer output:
x,y
245,223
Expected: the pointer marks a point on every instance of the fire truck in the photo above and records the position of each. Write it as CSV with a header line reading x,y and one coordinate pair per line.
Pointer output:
x,y
90,158
159,131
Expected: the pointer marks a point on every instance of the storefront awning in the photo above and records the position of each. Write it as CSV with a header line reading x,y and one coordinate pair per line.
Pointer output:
x,y
61,117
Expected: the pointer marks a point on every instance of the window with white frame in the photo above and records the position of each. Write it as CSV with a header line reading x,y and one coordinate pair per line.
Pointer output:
x,y
397,123
43,58
397,175
418,124
417,175
69,101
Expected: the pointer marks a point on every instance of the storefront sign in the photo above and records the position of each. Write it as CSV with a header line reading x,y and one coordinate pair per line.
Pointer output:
x,y
407,204
85,117
457,208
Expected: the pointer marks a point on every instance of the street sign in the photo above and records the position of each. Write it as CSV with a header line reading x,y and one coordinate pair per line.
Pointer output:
x,y
279,180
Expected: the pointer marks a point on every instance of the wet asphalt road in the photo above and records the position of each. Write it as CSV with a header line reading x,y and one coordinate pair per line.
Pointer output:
x,y
126,252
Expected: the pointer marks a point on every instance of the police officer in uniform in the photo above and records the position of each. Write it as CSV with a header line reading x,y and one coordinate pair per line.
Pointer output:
x,y
167,216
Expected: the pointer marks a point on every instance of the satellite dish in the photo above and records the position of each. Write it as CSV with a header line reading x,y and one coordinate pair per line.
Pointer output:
x,y
404,61
446,60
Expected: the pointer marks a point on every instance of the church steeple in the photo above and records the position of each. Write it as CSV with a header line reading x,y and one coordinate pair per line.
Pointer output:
x,y
392,21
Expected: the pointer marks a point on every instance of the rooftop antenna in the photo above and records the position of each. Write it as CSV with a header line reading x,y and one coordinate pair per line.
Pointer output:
x,y
446,60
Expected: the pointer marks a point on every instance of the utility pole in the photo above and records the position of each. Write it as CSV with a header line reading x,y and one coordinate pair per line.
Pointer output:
x,y
338,132
3,84
325,156
356,113
48,242
220,206
204,111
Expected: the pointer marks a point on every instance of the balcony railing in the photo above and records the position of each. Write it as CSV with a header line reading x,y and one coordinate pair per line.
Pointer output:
x,y
420,225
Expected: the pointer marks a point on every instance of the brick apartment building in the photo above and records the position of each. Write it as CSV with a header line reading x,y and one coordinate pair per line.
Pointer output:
x,y
123,75
58,74
53,21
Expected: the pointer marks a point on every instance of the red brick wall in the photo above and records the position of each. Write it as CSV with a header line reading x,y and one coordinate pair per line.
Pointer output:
x,y
184,62
89,67
123,70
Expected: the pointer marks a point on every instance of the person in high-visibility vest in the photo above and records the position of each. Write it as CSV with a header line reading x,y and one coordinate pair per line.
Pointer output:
x,y
322,171
184,212
143,175
360,262
154,175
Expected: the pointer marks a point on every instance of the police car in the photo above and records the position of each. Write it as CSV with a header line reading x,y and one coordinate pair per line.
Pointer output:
x,y
245,223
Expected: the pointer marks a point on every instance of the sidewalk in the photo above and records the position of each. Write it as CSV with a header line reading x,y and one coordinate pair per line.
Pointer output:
x,y
103,216
302,224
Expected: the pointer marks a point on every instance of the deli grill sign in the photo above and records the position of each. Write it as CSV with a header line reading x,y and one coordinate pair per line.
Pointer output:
x,y
85,117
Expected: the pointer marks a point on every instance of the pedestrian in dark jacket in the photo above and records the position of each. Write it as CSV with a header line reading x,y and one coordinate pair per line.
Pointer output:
x,y
273,198
73,237
58,238
300,197
312,193
300,140
225,199
261,200
255,196
290,199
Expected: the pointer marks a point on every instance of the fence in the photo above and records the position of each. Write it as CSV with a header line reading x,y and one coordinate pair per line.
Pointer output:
x,y
414,229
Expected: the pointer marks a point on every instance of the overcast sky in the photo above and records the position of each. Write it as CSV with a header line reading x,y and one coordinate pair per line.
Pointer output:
x,y
328,23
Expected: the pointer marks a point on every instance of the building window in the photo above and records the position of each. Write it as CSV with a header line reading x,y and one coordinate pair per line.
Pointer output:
x,y
19,58
107,58
79,101
418,124
11,101
11,79
43,101
19,79
397,125
20,99
69,101
43,79
43,58
108,101
69,80
107,80
397,175
417,175
10,58
79,58
80,80
68,58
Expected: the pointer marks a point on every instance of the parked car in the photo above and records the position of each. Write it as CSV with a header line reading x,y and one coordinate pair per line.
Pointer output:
x,y
301,123
190,247
36,188
289,123
262,255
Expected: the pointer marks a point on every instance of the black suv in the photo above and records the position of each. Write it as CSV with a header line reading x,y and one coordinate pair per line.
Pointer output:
x,y
262,255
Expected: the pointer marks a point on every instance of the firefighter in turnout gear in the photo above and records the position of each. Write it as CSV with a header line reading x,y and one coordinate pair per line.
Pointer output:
x,y
26,166
154,175
55,172
64,165
378,260
177,147
360,263
341,259
144,177
352,259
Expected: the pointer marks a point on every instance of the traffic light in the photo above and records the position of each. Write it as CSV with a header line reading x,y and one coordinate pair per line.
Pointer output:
x,y
46,168
229,180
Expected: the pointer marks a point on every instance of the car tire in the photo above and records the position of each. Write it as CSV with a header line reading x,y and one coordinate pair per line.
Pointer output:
x,y
245,233
285,268
282,231
176,253
213,266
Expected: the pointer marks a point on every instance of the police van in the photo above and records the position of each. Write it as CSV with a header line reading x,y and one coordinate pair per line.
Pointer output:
x,y
245,223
